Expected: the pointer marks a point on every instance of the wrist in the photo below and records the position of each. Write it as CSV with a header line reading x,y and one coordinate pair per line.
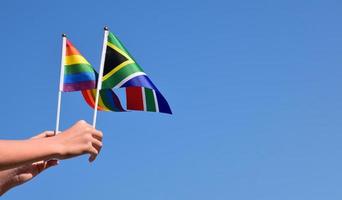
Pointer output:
x,y
51,147
56,147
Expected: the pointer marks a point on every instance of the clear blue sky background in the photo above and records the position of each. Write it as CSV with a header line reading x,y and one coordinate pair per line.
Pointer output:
x,y
255,87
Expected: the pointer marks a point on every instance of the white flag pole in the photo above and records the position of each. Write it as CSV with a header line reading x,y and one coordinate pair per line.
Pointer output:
x,y
60,84
99,80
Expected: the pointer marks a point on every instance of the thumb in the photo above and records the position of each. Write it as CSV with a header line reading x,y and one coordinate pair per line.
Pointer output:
x,y
51,163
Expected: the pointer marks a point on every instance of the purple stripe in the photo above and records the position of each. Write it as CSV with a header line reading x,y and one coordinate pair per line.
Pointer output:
x,y
86,85
140,81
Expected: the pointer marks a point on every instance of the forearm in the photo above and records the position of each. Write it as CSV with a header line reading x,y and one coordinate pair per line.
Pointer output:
x,y
16,153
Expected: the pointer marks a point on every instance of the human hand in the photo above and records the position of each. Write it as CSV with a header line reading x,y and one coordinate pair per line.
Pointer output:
x,y
19,175
27,172
80,139
13,177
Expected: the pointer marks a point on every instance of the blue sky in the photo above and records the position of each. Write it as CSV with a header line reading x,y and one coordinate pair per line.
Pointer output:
x,y
254,87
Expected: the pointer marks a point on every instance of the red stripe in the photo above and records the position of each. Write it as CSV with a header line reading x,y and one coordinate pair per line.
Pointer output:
x,y
134,98
87,94
70,49
88,99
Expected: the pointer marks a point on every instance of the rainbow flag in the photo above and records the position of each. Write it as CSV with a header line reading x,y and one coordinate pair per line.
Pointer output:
x,y
78,73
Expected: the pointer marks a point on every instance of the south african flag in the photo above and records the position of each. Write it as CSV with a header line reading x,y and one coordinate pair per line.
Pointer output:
x,y
121,71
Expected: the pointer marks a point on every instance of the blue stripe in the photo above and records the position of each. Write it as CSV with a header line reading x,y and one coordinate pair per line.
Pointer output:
x,y
162,104
140,81
80,77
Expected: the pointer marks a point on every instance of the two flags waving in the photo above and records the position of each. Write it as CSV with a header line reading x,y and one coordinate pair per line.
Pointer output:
x,y
118,69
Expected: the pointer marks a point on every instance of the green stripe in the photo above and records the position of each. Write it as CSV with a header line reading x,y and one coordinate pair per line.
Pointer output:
x,y
77,68
120,75
149,97
115,41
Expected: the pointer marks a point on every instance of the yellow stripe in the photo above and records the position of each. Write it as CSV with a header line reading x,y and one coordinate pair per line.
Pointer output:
x,y
119,50
100,104
117,68
75,59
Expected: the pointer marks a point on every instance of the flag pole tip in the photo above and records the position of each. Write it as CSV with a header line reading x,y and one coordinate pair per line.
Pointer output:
x,y
106,28
63,35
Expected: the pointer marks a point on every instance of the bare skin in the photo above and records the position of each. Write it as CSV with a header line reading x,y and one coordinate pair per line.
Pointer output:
x,y
20,161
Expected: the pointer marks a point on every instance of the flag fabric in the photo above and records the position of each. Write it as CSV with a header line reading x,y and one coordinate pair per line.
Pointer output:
x,y
121,71
145,99
108,100
78,73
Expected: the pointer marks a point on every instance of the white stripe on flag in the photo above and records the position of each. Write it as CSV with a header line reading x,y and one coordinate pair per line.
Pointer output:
x,y
144,98
155,100
128,78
